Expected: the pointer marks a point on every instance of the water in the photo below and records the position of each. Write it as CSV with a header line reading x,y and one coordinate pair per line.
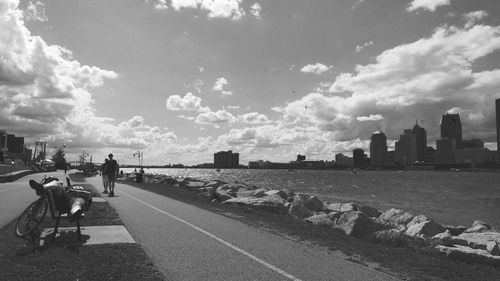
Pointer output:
x,y
448,197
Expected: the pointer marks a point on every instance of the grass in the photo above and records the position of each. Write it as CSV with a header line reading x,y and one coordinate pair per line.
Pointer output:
x,y
405,263
19,260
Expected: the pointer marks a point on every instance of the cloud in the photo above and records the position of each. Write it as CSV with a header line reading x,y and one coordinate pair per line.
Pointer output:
x,y
216,8
255,10
372,117
360,48
219,85
316,68
254,118
35,11
357,4
161,5
422,79
215,118
189,102
473,17
430,5
234,107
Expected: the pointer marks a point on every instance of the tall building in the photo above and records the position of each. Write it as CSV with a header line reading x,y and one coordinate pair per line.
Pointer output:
x,y
406,148
497,107
226,159
451,128
378,148
421,136
358,158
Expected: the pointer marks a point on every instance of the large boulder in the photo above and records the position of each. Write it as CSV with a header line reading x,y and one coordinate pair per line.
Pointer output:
x,y
354,223
469,254
276,192
227,191
416,220
369,211
194,184
480,240
443,238
310,202
341,207
478,226
455,230
320,219
298,211
395,218
427,228
492,248
274,204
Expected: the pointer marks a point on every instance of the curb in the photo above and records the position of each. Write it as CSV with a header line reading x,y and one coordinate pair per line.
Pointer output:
x,y
15,176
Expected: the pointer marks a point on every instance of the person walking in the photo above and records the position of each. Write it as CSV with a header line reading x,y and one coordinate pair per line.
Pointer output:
x,y
104,176
111,173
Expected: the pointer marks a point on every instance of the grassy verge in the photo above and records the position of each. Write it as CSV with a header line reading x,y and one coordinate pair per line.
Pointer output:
x,y
19,260
405,263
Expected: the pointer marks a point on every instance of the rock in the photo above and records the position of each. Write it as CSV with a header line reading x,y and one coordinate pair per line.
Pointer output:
x,y
443,238
480,240
478,226
194,184
469,254
341,207
427,228
274,204
215,184
354,223
279,193
390,236
244,193
260,192
320,219
416,220
227,191
308,201
492,248
395,218
455,230
334,216
369,211
298,211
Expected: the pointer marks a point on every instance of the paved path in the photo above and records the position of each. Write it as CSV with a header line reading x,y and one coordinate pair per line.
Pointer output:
x,y
16,196
189,243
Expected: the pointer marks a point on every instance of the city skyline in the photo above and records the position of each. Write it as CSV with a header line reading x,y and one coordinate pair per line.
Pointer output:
x,y
268,79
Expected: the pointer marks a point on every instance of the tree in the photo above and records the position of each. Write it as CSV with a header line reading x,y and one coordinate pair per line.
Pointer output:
x,y
59,159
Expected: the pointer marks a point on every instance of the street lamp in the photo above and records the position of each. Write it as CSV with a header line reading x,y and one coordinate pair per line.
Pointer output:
x,y
140,156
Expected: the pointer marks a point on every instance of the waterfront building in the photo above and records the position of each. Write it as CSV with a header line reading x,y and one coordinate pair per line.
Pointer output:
x,y
473,144
451,128
421,137
406,148
497,108
378,148
301,157
226,159
359,158
446,144
342,160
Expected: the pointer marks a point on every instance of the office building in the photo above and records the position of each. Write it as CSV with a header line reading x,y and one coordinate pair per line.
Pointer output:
x,y
226,159
378,148
359,158
473,144
301,157
497,107
421,138
406,148
451,128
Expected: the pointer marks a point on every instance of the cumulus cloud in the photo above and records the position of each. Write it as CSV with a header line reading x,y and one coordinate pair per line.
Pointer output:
x,y
216,8
161,4
215,118
473,17
423,79
189,102
430,5
254,118
255,10
219,85
360,48
316,68
35,11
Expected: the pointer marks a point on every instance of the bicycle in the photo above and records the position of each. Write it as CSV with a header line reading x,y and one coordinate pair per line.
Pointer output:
x,y
31,218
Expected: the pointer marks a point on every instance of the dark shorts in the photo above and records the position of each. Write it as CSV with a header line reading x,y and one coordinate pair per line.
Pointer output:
x,y
111,177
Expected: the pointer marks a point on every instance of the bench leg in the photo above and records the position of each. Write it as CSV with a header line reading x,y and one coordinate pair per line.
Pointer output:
x,y
55,228
78,230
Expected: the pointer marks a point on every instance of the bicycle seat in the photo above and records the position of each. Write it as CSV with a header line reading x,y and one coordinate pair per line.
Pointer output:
x,y
37,186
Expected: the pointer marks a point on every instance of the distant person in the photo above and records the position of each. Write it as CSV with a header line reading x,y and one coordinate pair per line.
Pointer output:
x,y
65,168
104,177
111,173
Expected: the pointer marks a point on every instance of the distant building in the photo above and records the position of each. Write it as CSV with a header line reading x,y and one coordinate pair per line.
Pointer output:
x,y
430,155
446,144
226,159
301,157
406,148
342,160
421,136
256,164
378,148
473,144
359,158
497,107
451,128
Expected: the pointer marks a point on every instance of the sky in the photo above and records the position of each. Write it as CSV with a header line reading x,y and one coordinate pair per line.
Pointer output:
x,y
180,80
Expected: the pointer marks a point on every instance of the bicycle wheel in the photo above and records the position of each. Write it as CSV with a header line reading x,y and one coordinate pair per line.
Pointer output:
x,y
31,217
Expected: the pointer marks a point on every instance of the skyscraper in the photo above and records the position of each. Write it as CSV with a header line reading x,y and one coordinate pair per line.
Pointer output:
x,y
421,136
406,148
497,107
451,128
378,148
358,157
